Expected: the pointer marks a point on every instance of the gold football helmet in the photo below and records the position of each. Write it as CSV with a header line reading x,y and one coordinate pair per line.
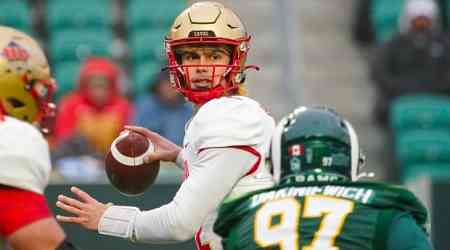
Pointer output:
x,y
26,87
212,24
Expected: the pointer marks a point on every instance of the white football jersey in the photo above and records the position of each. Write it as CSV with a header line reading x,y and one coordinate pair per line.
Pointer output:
x,y
24,156
224,152
235,121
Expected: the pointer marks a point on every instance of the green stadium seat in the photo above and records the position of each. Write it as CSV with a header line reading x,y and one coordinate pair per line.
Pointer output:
x,y
143,75
66,75
423,147
385,16
80,14
145,46
16,14
437,171
74,45
420,112
156,13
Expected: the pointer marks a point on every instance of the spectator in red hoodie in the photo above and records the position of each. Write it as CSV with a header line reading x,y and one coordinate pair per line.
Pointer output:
x,y
91,117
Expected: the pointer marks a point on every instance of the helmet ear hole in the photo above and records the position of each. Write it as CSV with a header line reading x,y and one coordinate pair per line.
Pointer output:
x,y
240,78
362,160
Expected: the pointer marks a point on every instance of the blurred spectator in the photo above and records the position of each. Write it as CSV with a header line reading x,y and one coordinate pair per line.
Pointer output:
x,y
377,20
89,119
416,60
363,30
163,110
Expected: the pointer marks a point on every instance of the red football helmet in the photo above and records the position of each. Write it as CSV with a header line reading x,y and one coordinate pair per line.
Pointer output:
x,y
210,24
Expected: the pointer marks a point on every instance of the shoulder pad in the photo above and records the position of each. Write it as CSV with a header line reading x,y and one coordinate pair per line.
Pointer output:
x,y
395,197
26,143
230,121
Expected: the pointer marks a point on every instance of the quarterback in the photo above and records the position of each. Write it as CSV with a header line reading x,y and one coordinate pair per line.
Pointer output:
x,y
26,89
226,141
318,202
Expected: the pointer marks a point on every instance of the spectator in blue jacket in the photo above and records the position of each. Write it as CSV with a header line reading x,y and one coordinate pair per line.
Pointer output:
x,y
163,110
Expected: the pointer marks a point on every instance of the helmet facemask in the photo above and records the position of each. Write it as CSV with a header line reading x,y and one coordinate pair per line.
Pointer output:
x,y
212,25
29,100
220,79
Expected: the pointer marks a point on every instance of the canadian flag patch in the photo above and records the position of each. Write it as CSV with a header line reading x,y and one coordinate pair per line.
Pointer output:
x,y
14,52
296,150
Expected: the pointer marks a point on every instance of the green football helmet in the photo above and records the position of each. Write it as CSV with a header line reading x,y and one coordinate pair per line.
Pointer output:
x,y
315,144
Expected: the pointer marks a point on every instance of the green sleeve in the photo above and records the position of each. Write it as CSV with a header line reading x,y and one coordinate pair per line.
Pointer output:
x,y
405,234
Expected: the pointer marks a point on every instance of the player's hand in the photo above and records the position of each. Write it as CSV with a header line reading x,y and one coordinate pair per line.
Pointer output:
x,y
165,150
87,211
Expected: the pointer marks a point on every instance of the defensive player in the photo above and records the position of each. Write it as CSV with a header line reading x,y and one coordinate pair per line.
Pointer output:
x,y
225,142
26,89
318,202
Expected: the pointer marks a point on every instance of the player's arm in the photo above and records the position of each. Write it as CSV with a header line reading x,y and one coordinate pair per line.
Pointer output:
x,y
199,195
405,234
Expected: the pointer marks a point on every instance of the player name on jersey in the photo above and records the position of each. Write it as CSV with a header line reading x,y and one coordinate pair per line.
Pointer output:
x,y
362,195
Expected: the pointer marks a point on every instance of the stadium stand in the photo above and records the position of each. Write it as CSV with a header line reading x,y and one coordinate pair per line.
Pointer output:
x,y
421,130
385,14
66,73
81,14
162,13
143,74
18,15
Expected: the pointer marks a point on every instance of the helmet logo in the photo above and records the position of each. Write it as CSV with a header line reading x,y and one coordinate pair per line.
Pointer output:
x,y
14,52
202,33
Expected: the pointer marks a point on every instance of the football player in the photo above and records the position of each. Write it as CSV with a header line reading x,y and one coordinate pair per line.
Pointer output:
x,y
26,89
319,202
225,144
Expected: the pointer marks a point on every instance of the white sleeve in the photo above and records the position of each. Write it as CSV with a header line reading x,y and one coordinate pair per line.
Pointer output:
x,y
198,196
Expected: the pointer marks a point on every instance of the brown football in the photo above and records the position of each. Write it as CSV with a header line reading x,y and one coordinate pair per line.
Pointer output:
x,y
125,167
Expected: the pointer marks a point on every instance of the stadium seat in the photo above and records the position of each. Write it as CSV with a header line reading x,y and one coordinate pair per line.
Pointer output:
x,y
143,75
157,13
423,147
16,14
437,171
420,112
145,46
80,14
66,75
74,45
385,16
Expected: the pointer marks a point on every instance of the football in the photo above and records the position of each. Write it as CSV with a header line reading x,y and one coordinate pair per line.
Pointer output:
x,y
125,167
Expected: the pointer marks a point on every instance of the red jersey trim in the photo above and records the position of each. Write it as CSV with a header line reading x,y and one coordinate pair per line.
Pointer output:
x,y
198,243
2,117
246,148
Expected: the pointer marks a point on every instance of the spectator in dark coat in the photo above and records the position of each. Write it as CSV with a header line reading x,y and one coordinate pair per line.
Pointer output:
x,y
416,60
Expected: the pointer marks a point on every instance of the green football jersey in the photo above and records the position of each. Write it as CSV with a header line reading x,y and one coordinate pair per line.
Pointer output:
x,y
313,216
